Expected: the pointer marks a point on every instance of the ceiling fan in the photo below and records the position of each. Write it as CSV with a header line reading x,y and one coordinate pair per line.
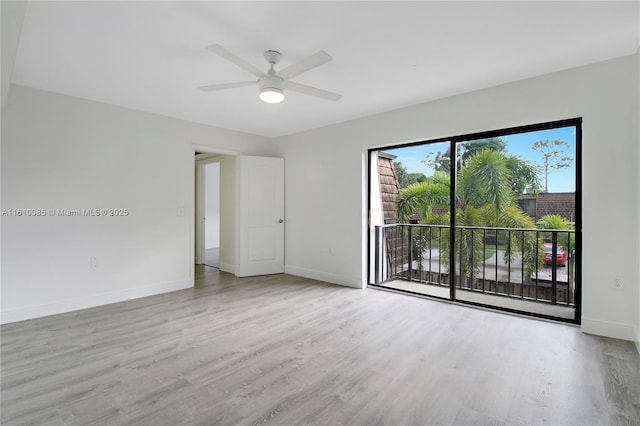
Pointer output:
x,y
273,83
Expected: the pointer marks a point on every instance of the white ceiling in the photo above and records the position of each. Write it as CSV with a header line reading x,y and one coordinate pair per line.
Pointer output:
x,y
151,56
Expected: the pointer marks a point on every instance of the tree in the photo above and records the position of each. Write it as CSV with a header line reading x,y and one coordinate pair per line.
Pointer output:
x,y
471,148
484,198
525,177
441,161
552,157
524,174
404,178
485,180
423,196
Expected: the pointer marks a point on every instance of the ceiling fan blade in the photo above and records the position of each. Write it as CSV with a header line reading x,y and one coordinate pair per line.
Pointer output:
x,y
224,53
212,87
313,91
304,65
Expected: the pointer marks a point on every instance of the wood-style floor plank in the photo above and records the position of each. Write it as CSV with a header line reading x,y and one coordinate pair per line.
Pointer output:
x,y
287,350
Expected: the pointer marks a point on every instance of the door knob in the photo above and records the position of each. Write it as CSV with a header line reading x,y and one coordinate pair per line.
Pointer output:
x,y
281,221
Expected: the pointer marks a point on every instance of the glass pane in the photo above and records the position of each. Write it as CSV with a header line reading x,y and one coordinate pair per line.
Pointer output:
x,y
515,210
416,239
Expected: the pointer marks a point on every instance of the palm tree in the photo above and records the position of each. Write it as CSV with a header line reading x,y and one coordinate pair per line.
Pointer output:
x,y
423,196
484,198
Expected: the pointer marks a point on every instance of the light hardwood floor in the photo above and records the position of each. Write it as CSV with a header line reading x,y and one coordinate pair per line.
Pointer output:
x,y
212,257
288,350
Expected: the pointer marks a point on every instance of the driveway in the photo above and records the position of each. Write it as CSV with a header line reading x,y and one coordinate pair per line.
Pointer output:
x,y
495,266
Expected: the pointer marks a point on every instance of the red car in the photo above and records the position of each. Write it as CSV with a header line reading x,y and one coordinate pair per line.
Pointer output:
x,y
561,255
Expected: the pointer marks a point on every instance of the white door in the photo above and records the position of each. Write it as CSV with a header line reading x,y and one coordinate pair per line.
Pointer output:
x,y
261,218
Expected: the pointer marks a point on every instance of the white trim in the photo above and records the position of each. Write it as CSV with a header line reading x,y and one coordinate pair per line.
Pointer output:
x,y
355,282
198,214
92,301
214,150
608,329
228,267
207,158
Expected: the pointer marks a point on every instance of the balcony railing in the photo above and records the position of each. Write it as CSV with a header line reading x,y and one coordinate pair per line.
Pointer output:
x,y
528,264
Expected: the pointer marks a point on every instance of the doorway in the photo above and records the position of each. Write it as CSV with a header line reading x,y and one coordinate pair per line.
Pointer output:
x,y
209,203
248,214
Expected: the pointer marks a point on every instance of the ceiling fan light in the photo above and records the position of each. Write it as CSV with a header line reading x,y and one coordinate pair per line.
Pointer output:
x,y
271,95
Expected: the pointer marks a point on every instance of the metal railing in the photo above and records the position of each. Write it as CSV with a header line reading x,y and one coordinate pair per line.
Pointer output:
x,y
528,264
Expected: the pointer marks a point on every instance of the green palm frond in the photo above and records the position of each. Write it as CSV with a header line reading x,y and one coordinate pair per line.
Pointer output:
x,y
507,217
421,196
555,221
470,216
440,178
486,179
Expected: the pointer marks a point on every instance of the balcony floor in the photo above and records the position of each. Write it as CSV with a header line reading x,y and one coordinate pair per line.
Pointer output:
x,y
557,311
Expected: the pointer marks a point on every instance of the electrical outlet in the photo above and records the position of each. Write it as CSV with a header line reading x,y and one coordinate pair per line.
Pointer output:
x,y
93,262
617,283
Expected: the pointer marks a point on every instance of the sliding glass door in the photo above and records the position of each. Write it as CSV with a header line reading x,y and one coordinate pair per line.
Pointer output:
x,y
486,219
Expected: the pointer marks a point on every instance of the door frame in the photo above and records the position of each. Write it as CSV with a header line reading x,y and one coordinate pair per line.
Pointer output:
x,y
202,155
200,208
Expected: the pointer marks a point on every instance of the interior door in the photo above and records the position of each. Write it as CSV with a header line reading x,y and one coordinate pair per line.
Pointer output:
x,y
261,216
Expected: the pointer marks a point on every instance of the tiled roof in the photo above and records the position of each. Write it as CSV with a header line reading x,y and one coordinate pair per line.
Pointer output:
x,y
389,192
561,203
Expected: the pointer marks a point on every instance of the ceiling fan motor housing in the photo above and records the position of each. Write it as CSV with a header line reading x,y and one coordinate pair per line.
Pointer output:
x,y
271,81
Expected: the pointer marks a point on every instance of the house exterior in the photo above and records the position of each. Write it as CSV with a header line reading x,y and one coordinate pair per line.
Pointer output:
x,y
389,187
546,203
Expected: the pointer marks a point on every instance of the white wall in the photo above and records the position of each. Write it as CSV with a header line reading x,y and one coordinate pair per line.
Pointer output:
x,y
212,205
12,17
66,153
325,175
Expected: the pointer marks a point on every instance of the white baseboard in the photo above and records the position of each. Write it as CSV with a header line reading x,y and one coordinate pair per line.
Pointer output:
x,y
608,329
68,305
638,340
355,282
228,267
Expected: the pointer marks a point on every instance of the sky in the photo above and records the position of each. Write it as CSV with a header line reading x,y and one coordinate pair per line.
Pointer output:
x,y
561,180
